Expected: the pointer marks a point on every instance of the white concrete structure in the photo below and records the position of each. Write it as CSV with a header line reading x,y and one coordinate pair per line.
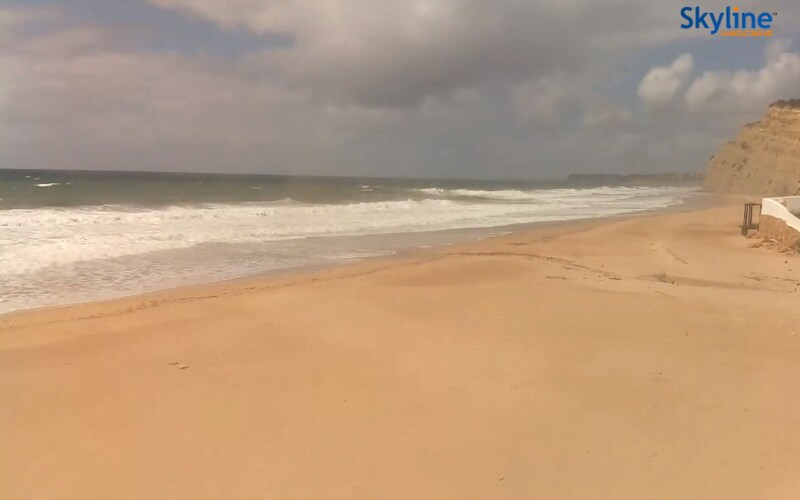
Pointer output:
x,y
784,209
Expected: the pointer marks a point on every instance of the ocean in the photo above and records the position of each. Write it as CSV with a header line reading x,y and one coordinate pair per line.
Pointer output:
x,y
69,236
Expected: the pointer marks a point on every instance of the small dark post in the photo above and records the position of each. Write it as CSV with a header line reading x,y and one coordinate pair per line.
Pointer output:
x,y
745,219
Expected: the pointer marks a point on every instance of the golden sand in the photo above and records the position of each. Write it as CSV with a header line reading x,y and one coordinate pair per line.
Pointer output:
x,y
656,356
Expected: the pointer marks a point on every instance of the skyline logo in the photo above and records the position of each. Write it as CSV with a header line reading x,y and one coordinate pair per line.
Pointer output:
x,y
730,22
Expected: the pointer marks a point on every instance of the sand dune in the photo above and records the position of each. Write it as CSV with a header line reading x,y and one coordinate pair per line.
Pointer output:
x,y
653,357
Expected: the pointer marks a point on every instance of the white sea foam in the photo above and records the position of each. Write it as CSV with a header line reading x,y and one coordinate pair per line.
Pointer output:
x,y
500,194
548,195
47,184
32,240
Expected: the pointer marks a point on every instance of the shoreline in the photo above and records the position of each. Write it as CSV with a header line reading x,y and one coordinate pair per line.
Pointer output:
x,y
696,201
537,363
284,277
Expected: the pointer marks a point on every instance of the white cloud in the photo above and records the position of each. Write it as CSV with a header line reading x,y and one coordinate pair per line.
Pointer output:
x,y
742,91
661,84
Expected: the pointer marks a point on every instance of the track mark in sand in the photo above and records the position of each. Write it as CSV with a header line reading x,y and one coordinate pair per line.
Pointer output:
x,y
681,280
677,257
663,248
566,264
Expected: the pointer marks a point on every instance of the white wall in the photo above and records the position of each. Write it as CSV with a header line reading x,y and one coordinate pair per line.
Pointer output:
x,y
793,204
782,208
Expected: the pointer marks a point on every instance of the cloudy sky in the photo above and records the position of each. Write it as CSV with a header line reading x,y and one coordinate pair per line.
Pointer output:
x,y
412,88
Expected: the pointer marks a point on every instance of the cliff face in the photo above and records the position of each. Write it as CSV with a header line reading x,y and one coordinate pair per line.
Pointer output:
x,y
764,159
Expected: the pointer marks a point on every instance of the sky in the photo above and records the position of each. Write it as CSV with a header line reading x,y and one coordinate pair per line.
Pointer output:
x,y
505,89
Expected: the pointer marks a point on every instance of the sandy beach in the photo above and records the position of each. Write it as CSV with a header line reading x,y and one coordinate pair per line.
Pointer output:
x,y
647,357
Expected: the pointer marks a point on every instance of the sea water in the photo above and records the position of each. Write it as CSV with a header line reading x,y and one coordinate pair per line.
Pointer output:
x,y
73,236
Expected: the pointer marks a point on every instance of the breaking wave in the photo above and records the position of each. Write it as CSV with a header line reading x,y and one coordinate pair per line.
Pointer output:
x,y
32,240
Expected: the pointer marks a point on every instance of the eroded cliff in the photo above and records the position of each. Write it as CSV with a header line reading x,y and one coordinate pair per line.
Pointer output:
x,y
764,159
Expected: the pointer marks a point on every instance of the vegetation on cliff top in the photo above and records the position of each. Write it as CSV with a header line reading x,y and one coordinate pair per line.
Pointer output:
x,y
786,103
